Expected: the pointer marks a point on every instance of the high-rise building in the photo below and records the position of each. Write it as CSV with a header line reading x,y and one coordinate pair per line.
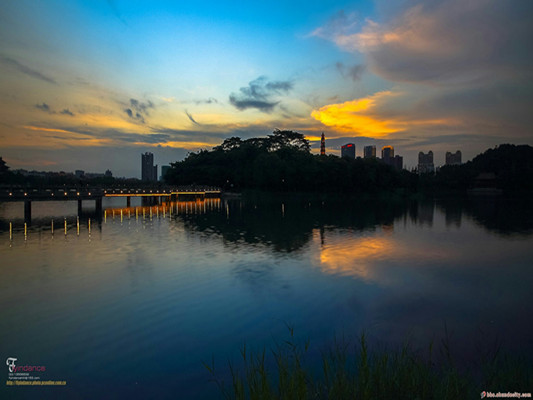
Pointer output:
x,y
453,158
425,163
388,157
323,145
164,170
397,162
387,153
348,150
148,169
369,152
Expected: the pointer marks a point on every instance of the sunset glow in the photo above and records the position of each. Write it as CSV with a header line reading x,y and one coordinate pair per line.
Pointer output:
x,y
120,78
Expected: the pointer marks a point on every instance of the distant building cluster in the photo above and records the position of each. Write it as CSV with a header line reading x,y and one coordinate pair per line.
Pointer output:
x,y
149,170
90,175
79,174
348,151
387,154
426,164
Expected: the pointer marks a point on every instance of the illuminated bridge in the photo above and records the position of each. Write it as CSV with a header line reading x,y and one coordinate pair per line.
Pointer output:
x,y
151,195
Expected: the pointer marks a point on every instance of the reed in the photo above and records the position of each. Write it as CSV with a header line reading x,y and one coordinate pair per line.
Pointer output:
x,y
355,371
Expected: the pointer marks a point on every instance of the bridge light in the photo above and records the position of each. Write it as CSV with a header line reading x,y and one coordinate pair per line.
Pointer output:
x,y
65,193
25,194
78,193
11,194
89,193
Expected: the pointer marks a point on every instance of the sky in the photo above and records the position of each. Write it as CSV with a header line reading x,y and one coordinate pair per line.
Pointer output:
x,y
91,85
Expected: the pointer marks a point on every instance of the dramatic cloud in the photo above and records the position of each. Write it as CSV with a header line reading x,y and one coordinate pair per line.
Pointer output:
x,y
461,73
258,94
357,116
446,42
15,65
138,110
370,116
354,72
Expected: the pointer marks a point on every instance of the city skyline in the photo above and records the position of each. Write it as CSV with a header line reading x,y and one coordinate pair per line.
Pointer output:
x,y
110,80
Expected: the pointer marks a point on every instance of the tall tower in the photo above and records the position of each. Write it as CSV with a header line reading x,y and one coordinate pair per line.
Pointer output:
x,y
147,167
322,145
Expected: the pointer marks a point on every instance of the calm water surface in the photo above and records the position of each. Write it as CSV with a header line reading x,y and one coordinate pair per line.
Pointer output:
x,y
133,307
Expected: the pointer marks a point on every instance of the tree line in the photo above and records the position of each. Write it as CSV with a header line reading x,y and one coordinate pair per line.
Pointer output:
x,y
282,161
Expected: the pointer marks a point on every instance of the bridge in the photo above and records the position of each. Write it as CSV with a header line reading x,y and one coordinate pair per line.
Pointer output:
x,y
153,195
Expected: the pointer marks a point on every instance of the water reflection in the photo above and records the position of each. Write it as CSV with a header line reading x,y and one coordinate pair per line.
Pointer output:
x,y
170,285
287,225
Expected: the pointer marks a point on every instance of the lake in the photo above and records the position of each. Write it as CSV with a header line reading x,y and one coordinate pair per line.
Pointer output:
x,y
133,306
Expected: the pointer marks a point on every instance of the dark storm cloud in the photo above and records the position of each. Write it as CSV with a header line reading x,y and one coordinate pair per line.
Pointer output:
x,y
15,65
258,94
353,72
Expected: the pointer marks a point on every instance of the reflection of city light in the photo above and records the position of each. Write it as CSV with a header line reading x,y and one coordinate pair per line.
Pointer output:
x,y
193,206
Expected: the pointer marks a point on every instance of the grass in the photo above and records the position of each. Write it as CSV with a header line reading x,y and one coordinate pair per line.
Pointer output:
x,y
356,372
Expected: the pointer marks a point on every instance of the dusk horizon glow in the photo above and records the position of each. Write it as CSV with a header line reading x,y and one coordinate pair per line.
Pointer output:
x,y
93,85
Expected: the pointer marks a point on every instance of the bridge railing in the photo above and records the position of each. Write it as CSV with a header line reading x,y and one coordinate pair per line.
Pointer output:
x,y
18,193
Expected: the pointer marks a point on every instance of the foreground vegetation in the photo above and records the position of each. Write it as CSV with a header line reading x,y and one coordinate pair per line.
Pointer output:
x,y
359,373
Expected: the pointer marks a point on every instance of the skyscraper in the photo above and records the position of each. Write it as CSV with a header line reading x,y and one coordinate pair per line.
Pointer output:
x,y
322,145
453,158
148,169
388,157
348,150
164,170
387,153
425,163
369,152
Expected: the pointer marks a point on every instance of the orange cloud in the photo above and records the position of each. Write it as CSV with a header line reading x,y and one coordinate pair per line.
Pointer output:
x,y
357,117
